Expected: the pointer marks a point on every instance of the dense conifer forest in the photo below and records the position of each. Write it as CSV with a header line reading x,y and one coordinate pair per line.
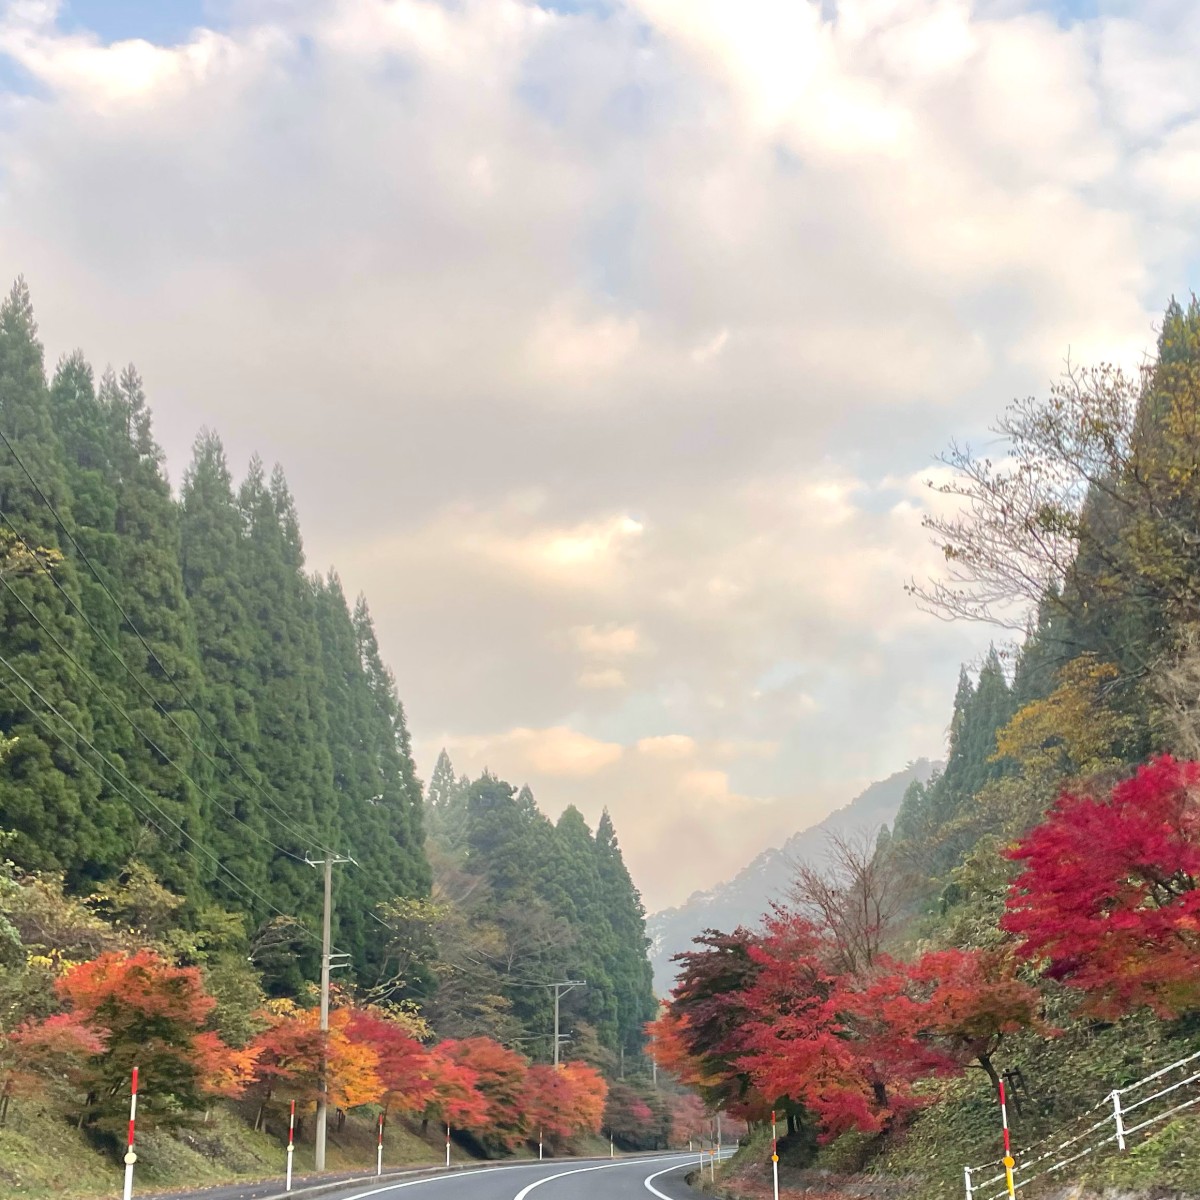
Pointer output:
x,y
188,715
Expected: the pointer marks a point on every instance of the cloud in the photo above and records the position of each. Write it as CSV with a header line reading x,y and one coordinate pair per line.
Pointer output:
x,y
554,753
608,677
610,641
672,793
668,745
607,350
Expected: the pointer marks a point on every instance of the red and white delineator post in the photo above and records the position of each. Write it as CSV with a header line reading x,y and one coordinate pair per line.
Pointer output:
x,y
130,1156
1009,1161
539,1145
379,1149
291,1146
774,1156
447,1147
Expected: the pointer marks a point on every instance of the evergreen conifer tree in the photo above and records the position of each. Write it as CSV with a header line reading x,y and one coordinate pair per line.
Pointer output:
x,y
632,975
215,570
284,682
47,798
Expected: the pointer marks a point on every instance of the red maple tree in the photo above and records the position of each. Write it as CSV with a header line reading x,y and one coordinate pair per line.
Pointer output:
x,y
941,1012
1109,894
794,1044
40,1056
453,1098
499,1077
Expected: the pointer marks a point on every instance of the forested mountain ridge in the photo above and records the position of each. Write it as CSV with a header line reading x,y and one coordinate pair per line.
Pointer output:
x,y
545,901
743,899
178,689
1031,915
183,701
190,720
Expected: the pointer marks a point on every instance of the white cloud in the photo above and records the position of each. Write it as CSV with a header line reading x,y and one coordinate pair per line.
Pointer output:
x,y
606,353
668,745
554,753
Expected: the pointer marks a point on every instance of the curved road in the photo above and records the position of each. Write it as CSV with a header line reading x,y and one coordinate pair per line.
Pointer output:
x,y
656,1178
638,1177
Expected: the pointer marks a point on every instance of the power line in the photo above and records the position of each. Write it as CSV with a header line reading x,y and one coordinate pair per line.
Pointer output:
x,y
283,824
108,762
116,704
137,632
149,694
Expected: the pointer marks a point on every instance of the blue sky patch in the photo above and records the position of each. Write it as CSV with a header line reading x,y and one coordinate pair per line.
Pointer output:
x,y
15,80
165,22
601,8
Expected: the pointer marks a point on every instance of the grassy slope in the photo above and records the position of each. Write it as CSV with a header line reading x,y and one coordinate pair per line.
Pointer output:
x,y
1066,1076
42,1156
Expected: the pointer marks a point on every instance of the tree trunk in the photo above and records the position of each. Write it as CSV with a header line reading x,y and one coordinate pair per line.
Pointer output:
x,y
985,1061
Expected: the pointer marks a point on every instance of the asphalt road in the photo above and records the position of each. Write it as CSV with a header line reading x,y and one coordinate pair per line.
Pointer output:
x,y
658,1177
623,1179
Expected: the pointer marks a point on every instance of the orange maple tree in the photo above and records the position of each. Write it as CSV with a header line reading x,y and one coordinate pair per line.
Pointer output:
x,y
559,1103
152,1014
400,1059
289,1054
453,1098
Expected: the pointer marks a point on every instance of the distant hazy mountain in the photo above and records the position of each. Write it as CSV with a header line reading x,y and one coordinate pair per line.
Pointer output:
x,y
743,899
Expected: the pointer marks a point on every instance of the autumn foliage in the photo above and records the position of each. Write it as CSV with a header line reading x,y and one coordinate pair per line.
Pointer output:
x,y
147,1012
1109,897
126,1009
773,1020
1107,903
561,1103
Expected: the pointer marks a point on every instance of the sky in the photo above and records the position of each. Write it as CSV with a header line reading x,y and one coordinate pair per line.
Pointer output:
x,y
608,345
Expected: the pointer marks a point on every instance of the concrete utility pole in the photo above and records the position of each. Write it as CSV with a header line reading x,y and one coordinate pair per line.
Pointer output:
x,y
560,990
328,862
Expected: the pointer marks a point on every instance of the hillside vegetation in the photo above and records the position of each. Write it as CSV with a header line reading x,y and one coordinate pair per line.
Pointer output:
x,y
1034,912
188,718
742,899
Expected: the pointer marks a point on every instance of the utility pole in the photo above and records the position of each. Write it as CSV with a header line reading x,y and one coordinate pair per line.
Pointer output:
x,y
560,990
328,862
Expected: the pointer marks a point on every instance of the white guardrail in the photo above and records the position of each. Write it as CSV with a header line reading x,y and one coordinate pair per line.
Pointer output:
x,y
1104,1124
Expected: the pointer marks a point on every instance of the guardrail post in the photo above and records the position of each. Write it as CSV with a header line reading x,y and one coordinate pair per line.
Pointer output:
x,y
1116,1102
967,1177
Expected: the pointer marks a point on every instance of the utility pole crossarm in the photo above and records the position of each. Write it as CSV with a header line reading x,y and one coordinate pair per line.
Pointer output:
x,y
560,990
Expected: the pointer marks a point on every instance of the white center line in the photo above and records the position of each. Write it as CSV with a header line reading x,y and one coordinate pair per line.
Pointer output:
x,y
583,1170
394,1187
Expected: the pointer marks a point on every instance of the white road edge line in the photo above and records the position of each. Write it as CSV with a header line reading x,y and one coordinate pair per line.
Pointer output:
x,y
649,1180
537,1183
